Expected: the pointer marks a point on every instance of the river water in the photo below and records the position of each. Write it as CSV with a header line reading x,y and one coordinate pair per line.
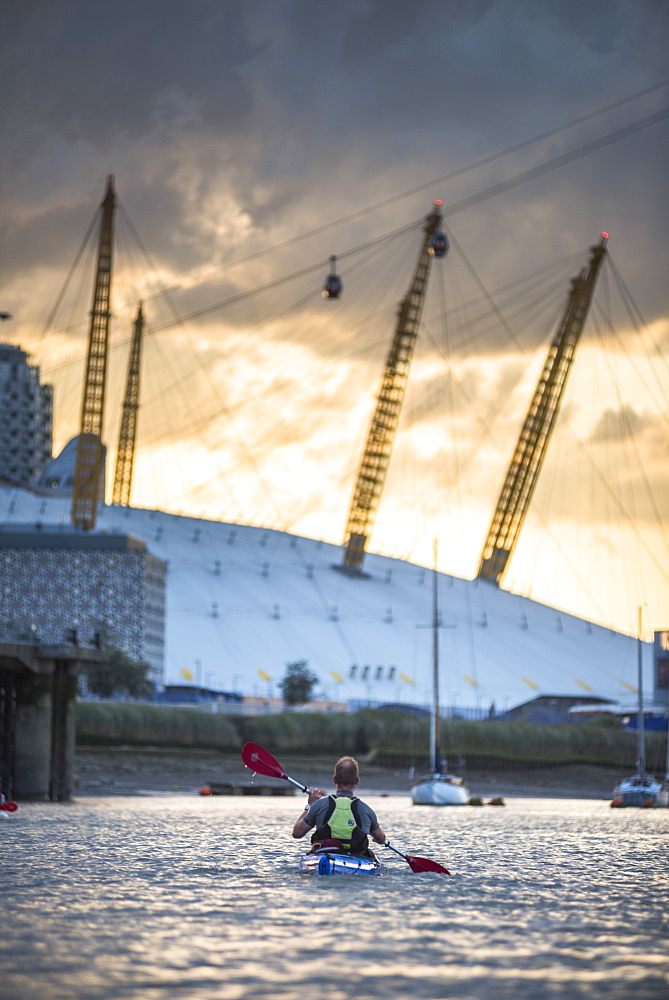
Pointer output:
x,y
192,898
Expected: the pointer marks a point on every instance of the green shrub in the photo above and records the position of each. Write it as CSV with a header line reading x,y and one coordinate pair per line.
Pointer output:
x,y
385,734
604,720
304,732
135,724
526,741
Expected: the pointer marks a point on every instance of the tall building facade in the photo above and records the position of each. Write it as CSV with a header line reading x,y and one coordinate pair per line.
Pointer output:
x,y
60,585
26,419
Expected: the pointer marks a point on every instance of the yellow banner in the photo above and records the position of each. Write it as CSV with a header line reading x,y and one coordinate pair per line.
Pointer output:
x,y
405,678
187,674
265,677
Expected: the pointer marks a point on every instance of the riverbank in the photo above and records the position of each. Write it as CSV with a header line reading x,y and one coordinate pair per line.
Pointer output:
x,y
142,771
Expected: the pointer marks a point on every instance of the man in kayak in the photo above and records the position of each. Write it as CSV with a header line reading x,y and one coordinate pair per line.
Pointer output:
x,y
341,821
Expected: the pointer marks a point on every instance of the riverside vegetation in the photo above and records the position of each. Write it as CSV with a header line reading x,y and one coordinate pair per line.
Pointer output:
x,y
387,738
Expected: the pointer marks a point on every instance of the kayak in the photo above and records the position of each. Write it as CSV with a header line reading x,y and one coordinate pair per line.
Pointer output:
x,y
339,864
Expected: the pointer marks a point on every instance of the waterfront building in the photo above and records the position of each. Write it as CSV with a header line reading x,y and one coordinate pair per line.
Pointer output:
x,y
26,419
60,585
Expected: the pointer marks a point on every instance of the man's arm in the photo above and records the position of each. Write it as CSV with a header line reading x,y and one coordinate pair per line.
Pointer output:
x,y
378,835
375,831
301,826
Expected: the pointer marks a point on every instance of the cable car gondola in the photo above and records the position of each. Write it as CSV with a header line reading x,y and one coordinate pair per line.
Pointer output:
x,y
333,284
439,245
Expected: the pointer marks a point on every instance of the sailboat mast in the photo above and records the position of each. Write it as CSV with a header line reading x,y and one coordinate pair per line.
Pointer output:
x,y
435,741
641,729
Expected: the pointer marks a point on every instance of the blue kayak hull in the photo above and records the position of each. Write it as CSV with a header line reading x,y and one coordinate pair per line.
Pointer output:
x,y
338,864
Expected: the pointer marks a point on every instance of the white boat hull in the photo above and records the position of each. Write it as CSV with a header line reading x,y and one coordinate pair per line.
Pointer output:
x,y
440,790
642,791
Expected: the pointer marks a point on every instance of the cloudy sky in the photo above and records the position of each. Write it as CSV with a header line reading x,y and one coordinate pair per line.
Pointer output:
x,y
249,142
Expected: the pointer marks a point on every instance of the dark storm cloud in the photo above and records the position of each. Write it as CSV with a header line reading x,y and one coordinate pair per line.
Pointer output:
x,y
292,114
238,125
97,70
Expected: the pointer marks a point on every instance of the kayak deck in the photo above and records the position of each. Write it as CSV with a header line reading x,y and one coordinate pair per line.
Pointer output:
x,y
332,863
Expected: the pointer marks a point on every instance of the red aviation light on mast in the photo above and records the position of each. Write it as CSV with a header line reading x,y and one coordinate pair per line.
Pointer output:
x,y
605,236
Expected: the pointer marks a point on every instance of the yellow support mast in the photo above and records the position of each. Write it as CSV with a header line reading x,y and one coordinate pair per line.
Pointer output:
x,y
125,455
376,458
88,488
523,472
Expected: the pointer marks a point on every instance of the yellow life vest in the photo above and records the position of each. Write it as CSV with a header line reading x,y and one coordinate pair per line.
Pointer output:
x,y
341,821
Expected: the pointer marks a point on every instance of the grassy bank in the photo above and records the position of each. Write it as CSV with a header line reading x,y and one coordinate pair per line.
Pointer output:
x,y
388,738
137,725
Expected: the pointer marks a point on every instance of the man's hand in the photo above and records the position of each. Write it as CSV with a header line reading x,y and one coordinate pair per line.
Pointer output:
x,y
301,827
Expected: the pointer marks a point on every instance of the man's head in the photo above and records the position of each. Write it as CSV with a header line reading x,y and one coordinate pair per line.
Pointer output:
x,y
346,773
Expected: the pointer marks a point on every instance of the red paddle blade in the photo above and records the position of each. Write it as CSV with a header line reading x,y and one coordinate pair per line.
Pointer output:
x,y
424,865
9,807
261,761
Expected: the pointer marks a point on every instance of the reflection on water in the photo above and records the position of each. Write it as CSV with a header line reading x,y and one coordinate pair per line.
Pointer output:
x,y
200,899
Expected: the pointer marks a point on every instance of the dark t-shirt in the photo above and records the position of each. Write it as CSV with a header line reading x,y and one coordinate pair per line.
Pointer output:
x,y
316,815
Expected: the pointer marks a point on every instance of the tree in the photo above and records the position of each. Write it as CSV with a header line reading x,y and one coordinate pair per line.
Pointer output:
x,y
119,674
298,684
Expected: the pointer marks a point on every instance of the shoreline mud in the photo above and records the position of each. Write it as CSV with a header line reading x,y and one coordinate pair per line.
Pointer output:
x,y
142,771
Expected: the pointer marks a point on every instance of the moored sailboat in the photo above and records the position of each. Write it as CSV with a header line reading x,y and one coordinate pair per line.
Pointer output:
x,y
642,789
662,797
438,788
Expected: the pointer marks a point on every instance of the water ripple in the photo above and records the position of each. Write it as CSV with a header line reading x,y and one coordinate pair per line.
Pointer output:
x,y
200,899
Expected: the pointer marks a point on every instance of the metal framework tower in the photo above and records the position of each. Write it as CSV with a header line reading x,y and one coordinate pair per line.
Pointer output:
x,y
89,459
376,458
523,472
125,455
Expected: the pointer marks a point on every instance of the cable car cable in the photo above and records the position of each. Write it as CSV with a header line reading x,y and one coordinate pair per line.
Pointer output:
x,y
438,180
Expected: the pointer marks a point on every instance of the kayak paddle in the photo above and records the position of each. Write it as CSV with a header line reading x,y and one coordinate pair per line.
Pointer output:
x,y
261,761
419,864
9,807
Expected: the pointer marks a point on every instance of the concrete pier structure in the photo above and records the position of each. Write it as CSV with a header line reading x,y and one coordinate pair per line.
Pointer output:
x,y
37,725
